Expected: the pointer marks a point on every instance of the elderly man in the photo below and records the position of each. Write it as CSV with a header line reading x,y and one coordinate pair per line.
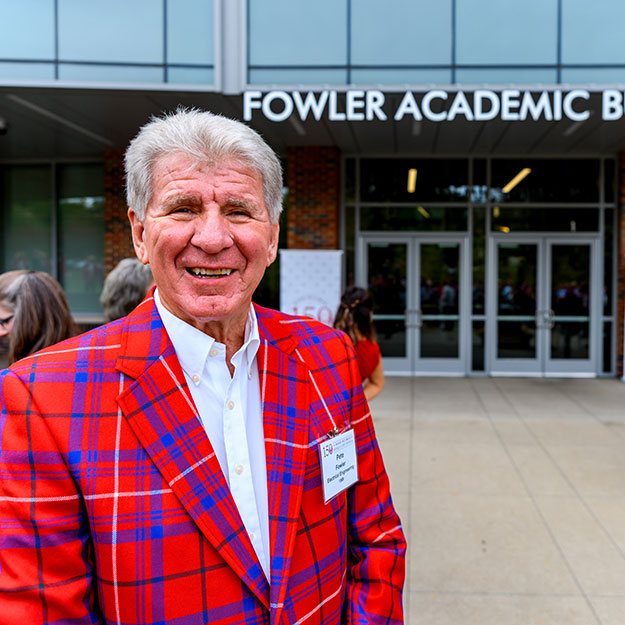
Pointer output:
x,y
202,460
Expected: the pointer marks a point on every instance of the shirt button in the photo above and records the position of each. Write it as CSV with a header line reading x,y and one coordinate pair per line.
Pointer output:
x,y
231,405
213,352
196,378
238,469
252,536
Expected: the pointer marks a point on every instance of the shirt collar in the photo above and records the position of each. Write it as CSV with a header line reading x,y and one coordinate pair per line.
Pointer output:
x,y
193,346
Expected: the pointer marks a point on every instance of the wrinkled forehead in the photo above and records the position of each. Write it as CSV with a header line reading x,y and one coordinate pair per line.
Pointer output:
x,y
204,162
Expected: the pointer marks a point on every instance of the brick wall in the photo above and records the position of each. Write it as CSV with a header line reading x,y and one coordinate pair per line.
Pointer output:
x,y
620,317
313,179
117,237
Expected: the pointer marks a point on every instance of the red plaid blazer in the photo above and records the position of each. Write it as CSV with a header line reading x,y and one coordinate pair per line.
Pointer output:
x,y
113,507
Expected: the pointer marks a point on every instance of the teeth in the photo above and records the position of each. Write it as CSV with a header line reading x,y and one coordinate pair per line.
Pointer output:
x,y
209,273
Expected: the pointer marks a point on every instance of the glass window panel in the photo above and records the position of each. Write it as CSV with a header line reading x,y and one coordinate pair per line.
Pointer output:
x,y
387,271
81,235
570,279
438,300
609,188
31,31
517,270
507,76
297,76
350,244
268,291
492,31
304,33
26,71
479,260
422,218
570,340
570,288
516,339
518,219
190,32
477,345
549,180
114,31
583,76
350,180
110,73
435,180
516,300
608,261
439,339
479,188
607,348
190,75
419,76
27,211
384,32
592,32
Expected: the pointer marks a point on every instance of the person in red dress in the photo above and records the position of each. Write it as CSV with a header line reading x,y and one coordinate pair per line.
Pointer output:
x,y
355,317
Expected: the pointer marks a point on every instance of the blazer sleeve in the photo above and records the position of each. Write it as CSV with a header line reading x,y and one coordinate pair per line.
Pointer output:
x,y
376,543
46,568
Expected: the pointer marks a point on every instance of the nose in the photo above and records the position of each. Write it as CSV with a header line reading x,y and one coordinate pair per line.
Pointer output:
x,y
212,232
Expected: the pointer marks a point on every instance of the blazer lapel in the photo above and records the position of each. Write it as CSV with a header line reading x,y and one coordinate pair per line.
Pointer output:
x,y
284,384
159,408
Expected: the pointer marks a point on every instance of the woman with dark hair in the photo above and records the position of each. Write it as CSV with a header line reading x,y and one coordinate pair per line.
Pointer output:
x,y
354,317
33,312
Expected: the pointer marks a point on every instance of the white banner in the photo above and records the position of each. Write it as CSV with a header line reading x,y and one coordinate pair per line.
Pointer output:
x,y
310,283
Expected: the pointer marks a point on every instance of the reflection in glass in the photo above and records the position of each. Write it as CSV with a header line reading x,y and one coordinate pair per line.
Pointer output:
x,y
479,185
609,190
387,271
419,218
190,28
570,288
382,33
550,180
491,32
350,180
516,301
438,300
608,260
517,280
438,180
439,339
304,33
81,244
570,340
26,229
477,344
607,347
112,31
479,259
519,219
516,339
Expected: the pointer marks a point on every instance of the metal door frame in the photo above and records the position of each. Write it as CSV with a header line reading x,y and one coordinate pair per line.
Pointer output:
x,y
543,365
412,364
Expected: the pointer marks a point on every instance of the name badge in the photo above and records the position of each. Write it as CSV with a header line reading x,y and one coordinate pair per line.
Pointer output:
x,y
339,464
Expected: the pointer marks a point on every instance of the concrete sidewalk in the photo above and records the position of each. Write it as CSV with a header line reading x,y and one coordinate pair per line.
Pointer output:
x,y
512,496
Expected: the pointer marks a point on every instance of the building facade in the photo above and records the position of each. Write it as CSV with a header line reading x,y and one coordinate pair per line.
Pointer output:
x,y
468,156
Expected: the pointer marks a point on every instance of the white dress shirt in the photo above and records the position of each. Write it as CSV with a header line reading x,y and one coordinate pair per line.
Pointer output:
x,y
231,413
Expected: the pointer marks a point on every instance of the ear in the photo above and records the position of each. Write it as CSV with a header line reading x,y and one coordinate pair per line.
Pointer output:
x,y
272,252
138,236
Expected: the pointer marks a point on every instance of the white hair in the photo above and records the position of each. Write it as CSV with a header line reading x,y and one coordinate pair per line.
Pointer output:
x,y
207,138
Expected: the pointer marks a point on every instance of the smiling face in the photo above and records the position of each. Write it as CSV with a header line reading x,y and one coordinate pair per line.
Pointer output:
x,y
207,236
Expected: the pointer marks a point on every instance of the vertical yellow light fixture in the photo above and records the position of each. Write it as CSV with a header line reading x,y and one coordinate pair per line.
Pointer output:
x,y
412,180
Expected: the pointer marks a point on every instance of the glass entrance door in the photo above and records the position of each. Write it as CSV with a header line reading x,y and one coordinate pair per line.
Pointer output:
x,y
543,311
419,290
